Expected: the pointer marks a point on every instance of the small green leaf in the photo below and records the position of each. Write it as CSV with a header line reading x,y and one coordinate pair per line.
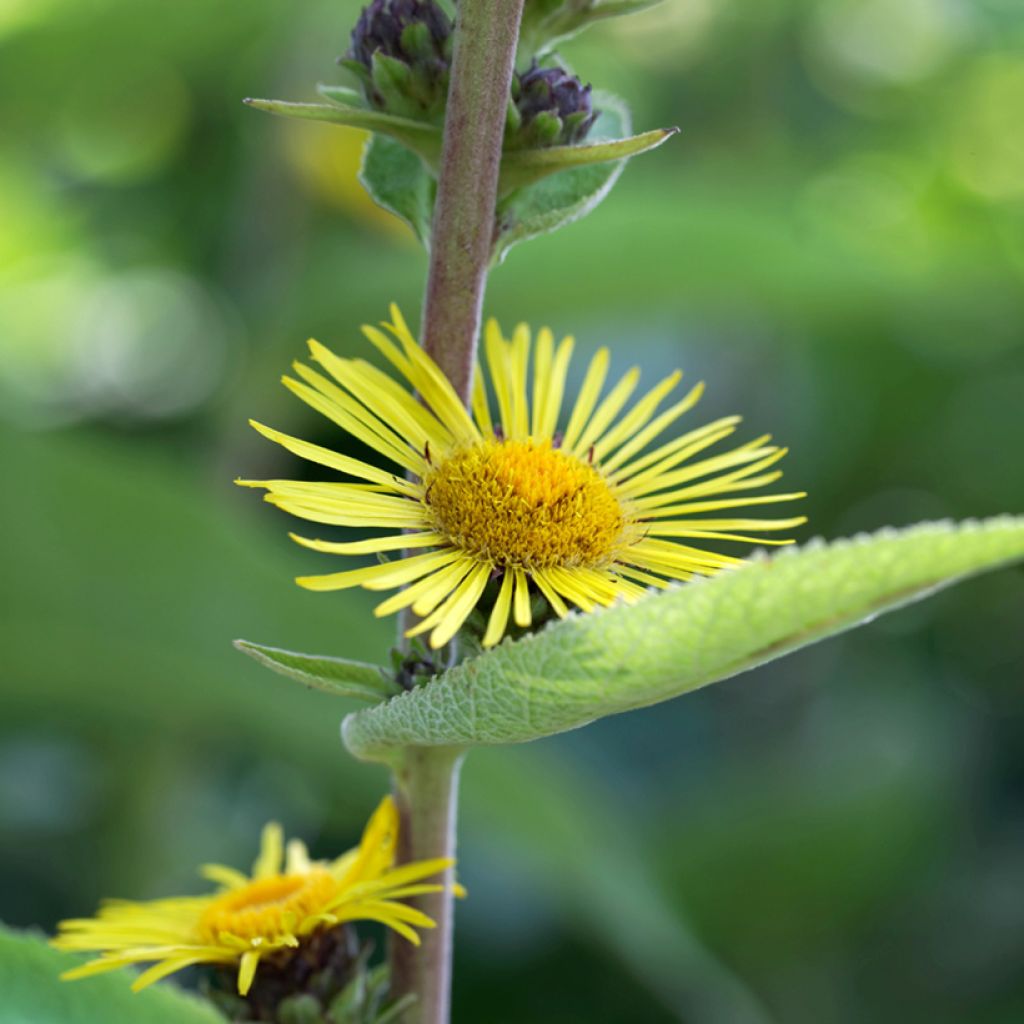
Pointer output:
x,y
551,24
31,991
319,672
559,199
424,139
341,94
524,166
675,641
398,180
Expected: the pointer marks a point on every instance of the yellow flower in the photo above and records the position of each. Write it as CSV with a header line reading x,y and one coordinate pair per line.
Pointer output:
x,y
587,513
259,916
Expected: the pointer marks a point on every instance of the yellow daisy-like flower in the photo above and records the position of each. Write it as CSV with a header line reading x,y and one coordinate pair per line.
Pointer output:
x,y
287,898
587,513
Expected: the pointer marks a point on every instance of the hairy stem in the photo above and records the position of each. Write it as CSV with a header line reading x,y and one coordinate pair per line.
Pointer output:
x,y
426,778
486,33
426,783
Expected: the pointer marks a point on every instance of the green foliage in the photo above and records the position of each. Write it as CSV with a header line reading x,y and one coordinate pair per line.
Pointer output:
x,y
31,992
549,22
544,188
337,676
525,166
550,201
423,139
671,643
398,180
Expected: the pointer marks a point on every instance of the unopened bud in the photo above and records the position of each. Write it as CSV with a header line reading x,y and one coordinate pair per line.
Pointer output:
x,y
553,107
401,53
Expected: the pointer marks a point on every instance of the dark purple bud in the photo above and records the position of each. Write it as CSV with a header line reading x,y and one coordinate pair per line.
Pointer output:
x,y
401,52
544,94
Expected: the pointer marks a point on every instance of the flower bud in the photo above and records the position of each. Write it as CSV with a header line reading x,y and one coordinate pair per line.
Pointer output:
x,y
401,53
552,108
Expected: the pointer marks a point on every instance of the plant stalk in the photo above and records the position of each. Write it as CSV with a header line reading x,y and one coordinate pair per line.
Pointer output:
x,y
486,35
426,778
426,781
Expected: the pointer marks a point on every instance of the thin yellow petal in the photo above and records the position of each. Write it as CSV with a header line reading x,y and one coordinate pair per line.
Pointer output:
x,y
606,412
499,614
333,460
247,970
395,542
587,398
545,587
639,415
521,611
657,426
541,379
380,577
268,863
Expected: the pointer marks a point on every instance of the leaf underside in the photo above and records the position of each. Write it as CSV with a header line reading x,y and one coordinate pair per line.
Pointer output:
x,y
672,642
399,181
562,198
32,992
336,676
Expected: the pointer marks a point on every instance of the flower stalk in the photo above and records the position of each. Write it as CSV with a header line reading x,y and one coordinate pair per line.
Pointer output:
x,y
426,783
426,778
486,35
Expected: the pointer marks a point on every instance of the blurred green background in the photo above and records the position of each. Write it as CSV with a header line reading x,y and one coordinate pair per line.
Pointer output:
x,y
835,243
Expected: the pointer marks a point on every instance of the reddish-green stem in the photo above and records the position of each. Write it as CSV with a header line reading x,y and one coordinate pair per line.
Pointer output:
x,y
426,779
486,34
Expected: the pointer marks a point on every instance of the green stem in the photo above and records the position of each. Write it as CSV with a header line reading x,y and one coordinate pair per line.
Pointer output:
x,y
426,778
486,34
426,781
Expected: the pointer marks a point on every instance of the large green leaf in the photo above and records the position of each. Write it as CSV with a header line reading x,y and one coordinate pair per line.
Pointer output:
x,y
591,666
555,201
31,992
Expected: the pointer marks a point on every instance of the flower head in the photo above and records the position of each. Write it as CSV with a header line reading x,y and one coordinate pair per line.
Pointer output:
x,y
586,514
287,901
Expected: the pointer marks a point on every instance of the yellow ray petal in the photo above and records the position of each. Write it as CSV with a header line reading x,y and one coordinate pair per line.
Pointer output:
x,y
268,863
426,594
521,611
333,460
541,379
657,426
499,614
247,970
380,577
544,585
587,398
606,412
481,409
636,418
394,542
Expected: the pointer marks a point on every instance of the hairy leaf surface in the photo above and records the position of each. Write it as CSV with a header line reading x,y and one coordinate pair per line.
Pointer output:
x,y
32,992
675,641
337,676
555,201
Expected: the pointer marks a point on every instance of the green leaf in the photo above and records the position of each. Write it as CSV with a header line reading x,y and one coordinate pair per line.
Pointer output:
x,y
423,139
524,166
341,94
336,676
31,991
546,25
400,182
675,641
559,199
